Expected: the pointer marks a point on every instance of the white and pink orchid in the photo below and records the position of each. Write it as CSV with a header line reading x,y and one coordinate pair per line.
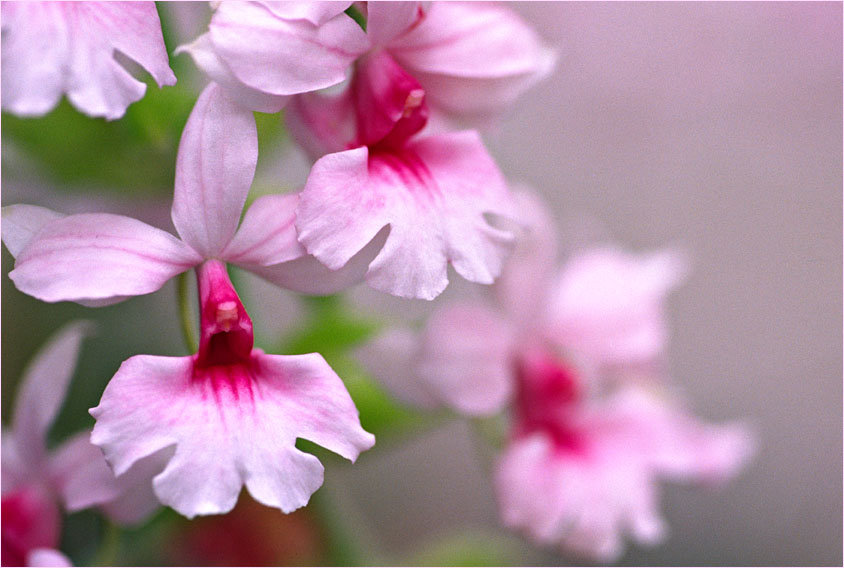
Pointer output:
x,y
586,453
38,483
473,59
232,412
55,48
432,191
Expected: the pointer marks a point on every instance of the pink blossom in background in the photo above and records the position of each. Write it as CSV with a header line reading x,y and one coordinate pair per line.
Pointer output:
x,y
582,473
38,483
585,453
55,48
210,405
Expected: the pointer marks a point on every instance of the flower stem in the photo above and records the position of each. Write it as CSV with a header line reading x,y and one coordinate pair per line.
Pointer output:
x,y
110,546
357,16
185,313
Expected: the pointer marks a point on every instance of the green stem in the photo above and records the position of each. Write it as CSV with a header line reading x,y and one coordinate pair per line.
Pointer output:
x,y
488,439
110,547
185,313
356,15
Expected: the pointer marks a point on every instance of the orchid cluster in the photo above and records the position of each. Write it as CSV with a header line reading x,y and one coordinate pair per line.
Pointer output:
x,y
385,98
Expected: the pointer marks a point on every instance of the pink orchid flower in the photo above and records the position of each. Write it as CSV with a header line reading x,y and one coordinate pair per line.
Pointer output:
x,y
474,59
433,191
53,48
75,476
585,454
232,412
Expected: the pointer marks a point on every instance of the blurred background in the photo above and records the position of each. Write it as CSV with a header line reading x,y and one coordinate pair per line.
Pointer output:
x,y
716,127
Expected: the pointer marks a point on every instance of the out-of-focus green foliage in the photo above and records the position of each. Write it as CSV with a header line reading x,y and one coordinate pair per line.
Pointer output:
x,y
135,152
470,548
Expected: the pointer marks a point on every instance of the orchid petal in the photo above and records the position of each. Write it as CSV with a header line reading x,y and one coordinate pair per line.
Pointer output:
x,y
267,234
206,58
16,469
214,169
465,358
390,358
473,59
316,13
36,42
134,29
433,194
22,222
682,447
136,499
608,305
47,557
522,288
307,275
80,473
50,48
387,20
42,392
231,425
98,257
584,502
528,488
284,56
321,124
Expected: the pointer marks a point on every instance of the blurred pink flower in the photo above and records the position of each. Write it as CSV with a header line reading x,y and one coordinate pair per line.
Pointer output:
x,y
75,474
229,409
582,473
432,191
53,48
585,453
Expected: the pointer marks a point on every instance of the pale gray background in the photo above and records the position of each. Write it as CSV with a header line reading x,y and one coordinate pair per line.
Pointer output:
x,y
717,127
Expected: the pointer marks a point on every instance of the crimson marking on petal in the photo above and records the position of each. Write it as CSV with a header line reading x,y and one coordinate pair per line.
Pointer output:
x,y
231,386
404,167
547,395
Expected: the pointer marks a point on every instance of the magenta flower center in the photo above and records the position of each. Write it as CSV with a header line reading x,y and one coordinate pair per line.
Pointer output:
x,y
226,336
546,397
